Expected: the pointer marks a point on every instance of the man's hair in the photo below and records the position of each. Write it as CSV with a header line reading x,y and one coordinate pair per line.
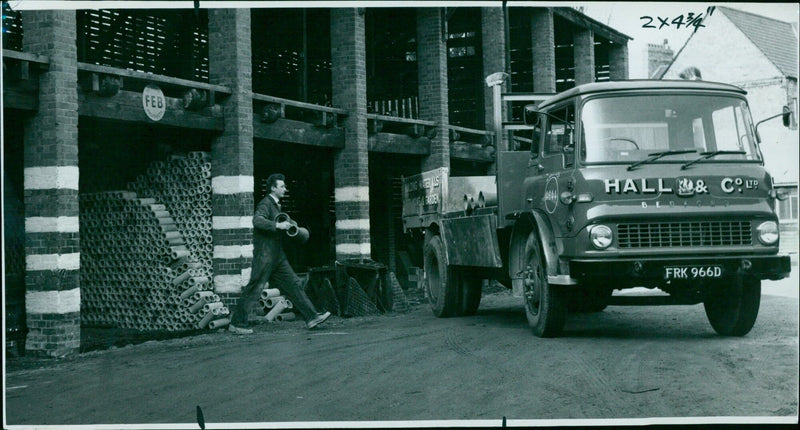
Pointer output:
x,y
273,179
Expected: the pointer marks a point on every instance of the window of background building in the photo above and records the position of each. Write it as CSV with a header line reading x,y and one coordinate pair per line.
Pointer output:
x,y
391,61
465,68
165,42
787,209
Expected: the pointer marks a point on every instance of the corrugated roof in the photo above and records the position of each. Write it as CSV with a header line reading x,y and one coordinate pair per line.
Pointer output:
x,y
776,39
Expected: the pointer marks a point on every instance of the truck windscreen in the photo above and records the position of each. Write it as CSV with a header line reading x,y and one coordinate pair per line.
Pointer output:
x,y
626,129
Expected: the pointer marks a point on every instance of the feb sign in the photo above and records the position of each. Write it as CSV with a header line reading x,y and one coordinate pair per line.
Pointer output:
x,y
154,102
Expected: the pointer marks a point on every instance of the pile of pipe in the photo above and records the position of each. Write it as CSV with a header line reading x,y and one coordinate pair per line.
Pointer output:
x,y
183,185
276,305
146,253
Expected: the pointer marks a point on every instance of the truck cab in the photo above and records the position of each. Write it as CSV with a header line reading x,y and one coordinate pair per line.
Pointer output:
x,y
657,184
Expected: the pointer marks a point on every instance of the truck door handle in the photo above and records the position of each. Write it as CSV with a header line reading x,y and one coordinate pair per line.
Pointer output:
x,y
529,199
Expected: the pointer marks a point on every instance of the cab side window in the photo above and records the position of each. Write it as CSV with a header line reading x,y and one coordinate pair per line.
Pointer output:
x,y
559,131
560,134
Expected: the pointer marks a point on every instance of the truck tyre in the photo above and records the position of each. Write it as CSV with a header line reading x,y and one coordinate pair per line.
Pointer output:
x,y
470,293
545,304
588,299
441,281
732,309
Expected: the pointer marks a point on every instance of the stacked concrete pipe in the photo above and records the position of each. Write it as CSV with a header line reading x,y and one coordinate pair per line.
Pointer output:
x,y
183,185
146,253
276,305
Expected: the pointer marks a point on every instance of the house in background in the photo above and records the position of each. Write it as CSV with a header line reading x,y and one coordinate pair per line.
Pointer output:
x,y
760,55
659,57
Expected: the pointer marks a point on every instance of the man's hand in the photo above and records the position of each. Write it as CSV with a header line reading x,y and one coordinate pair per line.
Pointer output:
x,y
283,225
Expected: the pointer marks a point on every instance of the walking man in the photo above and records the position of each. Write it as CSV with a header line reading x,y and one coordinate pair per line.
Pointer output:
x,y
270,263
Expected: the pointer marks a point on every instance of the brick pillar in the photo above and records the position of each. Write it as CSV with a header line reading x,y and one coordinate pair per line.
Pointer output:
x,y
494,56
230,65
544,50
432,71
52,239
618,59
351,164
583,49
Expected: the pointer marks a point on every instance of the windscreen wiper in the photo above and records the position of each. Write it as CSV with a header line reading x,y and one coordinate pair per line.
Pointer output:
x,y
707,155
653,156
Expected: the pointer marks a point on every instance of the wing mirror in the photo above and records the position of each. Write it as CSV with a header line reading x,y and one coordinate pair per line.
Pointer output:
x,y
786,117
531,115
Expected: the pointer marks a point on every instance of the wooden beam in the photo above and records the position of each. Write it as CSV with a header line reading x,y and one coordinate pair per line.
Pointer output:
x,y
151,77
127,106
41,61
287,130
526,97
399,144
20,95
472,152
387,118
297,104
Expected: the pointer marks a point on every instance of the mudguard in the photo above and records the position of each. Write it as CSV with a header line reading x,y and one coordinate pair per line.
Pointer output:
x,y
550,246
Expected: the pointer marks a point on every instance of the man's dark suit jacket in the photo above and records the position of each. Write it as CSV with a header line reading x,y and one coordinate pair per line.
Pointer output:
x,y
267,249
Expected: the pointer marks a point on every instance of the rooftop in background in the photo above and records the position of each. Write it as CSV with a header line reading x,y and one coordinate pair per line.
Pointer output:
x,y
776,39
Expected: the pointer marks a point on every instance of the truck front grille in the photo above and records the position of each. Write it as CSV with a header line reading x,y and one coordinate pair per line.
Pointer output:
x,y
674,234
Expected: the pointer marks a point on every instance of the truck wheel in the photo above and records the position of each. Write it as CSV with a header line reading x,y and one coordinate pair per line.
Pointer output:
x,y
588,299
441,281
545,304
732,309
470,293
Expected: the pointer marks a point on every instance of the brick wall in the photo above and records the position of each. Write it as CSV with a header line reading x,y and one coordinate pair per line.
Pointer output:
x,y
494,56
351,164
583,46
618,62
658,56
432,70
544,54
232,152
52,240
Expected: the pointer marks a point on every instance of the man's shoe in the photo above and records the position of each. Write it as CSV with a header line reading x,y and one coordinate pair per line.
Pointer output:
x,y
317,320
238,330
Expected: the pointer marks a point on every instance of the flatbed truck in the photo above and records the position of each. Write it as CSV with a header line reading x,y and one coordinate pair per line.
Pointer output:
x,y
657,184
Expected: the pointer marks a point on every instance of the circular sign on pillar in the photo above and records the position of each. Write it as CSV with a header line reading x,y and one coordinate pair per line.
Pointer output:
x,y
153,102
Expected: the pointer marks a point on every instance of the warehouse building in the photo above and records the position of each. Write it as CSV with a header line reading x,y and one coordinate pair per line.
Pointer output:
x,y
167,122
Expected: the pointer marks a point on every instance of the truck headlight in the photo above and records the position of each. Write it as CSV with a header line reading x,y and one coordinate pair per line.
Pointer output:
x,y
601,236
768,232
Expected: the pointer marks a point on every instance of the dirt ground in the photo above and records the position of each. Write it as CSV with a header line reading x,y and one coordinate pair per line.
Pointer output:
x,y
649,364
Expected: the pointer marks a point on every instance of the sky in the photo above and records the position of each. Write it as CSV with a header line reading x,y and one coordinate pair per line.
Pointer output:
x,y
622,16
625,18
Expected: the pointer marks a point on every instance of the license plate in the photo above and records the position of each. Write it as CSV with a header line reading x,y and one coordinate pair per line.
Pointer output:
x,y
692,272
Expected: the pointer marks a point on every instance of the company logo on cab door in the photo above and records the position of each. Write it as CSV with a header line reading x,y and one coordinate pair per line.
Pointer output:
x,y
684,186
